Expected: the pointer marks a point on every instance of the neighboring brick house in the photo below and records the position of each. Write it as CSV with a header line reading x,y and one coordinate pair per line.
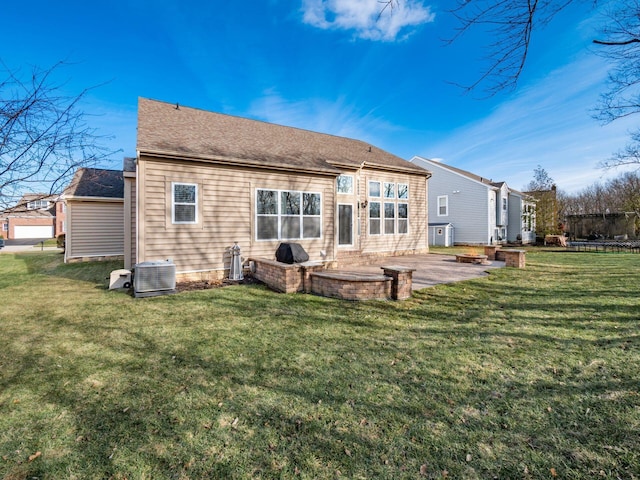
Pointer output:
x,y
36,215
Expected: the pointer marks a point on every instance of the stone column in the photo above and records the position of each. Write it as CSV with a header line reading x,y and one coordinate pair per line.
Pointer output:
x,y
490,251
401,281
514,258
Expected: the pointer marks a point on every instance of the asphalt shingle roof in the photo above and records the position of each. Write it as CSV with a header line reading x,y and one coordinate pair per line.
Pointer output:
x,y
96,182
184,132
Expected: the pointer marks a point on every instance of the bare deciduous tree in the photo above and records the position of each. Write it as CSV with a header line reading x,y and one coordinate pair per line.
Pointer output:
x,y
543,189
617,195
44,136
620,45
511,25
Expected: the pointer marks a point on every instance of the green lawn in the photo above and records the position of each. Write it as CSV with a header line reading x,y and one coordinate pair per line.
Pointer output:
x,y
530,373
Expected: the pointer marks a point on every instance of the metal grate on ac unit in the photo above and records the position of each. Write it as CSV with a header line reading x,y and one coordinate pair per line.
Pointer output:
x,y
154,278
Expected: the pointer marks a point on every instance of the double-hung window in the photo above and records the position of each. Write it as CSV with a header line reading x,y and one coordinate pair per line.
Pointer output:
x,y
184,203
403,208
403,218
288,215
374,218
389,218
443,205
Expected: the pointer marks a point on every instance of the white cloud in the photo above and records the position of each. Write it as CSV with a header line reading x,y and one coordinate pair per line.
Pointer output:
x,y
319,115
364,17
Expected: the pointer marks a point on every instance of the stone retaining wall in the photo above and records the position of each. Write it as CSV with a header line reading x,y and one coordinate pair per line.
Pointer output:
x,y
312,277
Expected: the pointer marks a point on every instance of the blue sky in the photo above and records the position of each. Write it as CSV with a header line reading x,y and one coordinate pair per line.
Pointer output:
x,y
333,67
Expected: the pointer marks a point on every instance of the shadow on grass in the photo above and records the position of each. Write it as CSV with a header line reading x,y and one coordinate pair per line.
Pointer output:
x,y
532,369
376,403
52,264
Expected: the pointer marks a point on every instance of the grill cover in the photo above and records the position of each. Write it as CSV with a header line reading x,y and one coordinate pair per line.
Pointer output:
x,y
291,253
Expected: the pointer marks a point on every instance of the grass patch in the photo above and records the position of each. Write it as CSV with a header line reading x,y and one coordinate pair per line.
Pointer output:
x,y
522,374
50,242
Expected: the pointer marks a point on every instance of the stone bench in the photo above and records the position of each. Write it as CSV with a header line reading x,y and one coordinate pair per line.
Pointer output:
x,y
351,286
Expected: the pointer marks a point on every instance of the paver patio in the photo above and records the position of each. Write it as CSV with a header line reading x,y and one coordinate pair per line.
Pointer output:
x,y
430,269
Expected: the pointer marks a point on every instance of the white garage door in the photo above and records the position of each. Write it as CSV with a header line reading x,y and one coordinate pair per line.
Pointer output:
x,y
33,231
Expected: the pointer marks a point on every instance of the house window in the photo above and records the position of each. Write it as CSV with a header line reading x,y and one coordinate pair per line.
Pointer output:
x,y
5,227
374,218
374,189
288,215
443,206
403,218
403,191
389,218
37,204
311,219
345,184
504,204
184,203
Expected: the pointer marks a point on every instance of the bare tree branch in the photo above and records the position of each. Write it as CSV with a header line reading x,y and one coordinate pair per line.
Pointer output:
x,y
511,25
620,43
629,155
44,136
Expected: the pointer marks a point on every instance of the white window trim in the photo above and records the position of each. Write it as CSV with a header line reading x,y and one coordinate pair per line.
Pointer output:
x,y
446,206
281,215
173,203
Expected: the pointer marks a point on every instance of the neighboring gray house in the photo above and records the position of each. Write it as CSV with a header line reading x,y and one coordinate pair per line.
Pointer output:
x,y
480,211
94,203
522,218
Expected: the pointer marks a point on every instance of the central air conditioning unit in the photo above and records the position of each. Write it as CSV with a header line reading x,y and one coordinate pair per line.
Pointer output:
x,y
154,278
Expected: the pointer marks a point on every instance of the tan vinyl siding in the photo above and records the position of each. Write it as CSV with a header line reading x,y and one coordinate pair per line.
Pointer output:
x,y
95,229
226,213
130,222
